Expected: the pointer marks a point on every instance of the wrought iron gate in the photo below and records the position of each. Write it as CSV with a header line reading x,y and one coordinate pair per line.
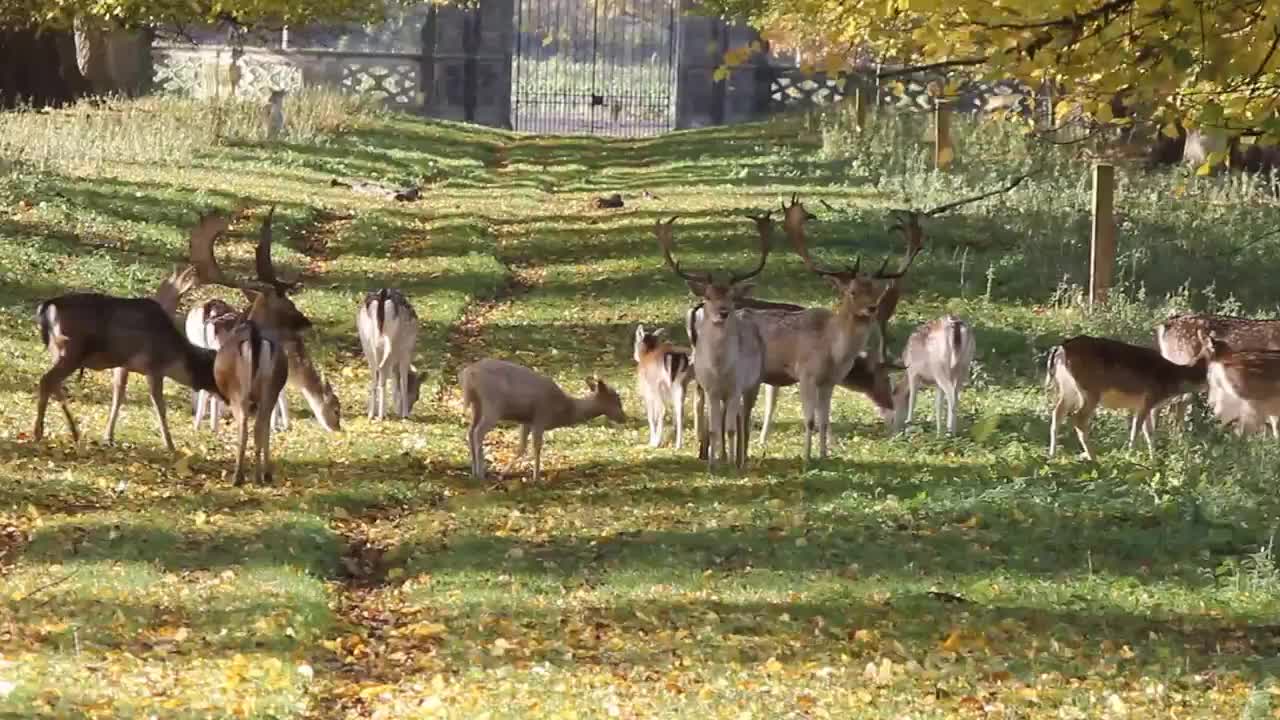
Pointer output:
x,y
599,67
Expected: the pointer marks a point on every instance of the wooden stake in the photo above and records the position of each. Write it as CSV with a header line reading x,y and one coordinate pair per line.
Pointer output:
x,y
943,151
1102,248
859,107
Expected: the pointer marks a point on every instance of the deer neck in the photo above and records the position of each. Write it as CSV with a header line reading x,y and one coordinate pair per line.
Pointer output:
x,y
576,411
194,368
850,328
304,377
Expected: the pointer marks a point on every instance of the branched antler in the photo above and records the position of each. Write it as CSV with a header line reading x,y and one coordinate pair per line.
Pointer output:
x,y
794,218
664,232
999,191
200,250
262,258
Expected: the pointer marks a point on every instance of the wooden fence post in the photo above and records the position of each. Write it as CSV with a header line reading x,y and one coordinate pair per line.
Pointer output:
x,y
1102,248
859,107
943,150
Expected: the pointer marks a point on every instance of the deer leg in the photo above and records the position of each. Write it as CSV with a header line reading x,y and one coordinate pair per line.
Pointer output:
x,y
677,412
537,454
119,381
200,398
650,413
280,412
715,429
479,430
701,423
939,397
824,419
659,420
809,410
1059,412
51,384
913,386
731,425
1148,428
770,398
242,422
471,433
262,446
953,400
403,378
1081,423
382,395
744,426
155,383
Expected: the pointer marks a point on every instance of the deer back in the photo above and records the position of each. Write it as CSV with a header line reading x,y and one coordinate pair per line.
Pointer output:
x,y
1120,374
1180,336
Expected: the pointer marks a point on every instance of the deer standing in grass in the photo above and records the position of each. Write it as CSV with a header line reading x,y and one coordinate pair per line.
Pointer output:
x,y
206,326
729,361
938,353
497,391
388,329
1089,372
1244,385
251,370
663,372
816,348
1182,339
92,331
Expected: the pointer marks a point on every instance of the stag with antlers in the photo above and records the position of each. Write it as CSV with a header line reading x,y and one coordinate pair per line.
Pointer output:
x,y
728,361
816,348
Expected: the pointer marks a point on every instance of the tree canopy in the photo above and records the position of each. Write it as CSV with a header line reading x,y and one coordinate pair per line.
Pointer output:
x,y
59,14
1207,64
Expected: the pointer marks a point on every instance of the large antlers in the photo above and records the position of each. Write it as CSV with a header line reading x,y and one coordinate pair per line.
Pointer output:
x,y
200,250
664,232
794,218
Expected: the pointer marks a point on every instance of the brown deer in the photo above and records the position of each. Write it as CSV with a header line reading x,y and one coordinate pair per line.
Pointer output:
x,y
388,328
1244,385
497,391
1090,371
663,372
816,348
96,332
1181,339
938,353
251,371
316,391
728,363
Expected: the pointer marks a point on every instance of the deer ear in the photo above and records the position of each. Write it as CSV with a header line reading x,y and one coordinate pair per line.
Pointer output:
x,y
697,288
639,333
743,289
659,332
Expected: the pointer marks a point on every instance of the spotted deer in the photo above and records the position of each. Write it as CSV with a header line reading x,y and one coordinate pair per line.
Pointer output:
x,y
816,348
1181,339
663,372
388,329
938,353
729,360
497,391
1090,371
1244,385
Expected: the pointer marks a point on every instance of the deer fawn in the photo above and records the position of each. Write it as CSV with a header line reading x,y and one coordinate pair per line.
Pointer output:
x,y
1089,372
938,353
1182,339
388,328
251,371
97,332
663,372
497,390
728,362
1244,385
817,348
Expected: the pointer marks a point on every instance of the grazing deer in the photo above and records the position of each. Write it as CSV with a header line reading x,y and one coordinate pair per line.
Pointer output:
x,y
206,325
938,353
1244,385
388,329
663,372
97,332
497,390
729,361
1089,372
251,371
816,348
1182,340
273,115
316,391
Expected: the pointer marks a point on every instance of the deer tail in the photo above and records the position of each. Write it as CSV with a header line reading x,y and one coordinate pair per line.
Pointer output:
x,y
45,313
380,314
1055,357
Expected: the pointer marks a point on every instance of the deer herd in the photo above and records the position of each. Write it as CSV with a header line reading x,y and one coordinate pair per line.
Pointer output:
x,y
243,358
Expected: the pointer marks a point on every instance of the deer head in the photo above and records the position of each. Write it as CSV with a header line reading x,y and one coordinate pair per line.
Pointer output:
x,y
606,399
859,293
718,297
271,308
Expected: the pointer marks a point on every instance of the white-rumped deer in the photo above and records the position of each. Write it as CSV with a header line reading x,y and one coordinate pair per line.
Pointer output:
x,y
816,348
663,371
388,329
497,391
251,371
91,331
938,353
729,360
1090,371
1244,385
1181,339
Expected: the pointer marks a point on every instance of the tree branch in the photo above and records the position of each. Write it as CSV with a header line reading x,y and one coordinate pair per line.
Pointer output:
x,y
928,67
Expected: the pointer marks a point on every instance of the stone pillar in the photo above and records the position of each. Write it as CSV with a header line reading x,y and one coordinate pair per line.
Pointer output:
x,y
466,65
701,100
444,58
491,104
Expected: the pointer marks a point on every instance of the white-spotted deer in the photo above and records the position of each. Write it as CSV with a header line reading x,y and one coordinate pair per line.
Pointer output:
x,y
388,329
663,372
1244,385
251,371
816,348
1090,371
497,391
91,331
729,360
938,353
1181,339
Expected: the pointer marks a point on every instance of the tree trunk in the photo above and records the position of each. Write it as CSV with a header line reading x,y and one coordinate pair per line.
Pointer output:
x,y
112,59
39,69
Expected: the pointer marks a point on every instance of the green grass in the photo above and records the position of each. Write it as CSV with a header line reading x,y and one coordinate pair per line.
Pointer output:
x,y
376,580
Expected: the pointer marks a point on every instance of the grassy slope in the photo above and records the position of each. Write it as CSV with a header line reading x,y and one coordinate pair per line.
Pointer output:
x,y
630,583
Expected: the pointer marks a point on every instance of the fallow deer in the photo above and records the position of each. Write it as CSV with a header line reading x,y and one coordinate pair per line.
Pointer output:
x,y
1181,340
1090,371
1244,385
938,353
388,329
251,371
273,115
206,325
316,391
816,348
97,332
729,361
663,372
497,391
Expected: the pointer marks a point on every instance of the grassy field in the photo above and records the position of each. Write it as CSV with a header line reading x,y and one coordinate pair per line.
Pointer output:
x,y
905,577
